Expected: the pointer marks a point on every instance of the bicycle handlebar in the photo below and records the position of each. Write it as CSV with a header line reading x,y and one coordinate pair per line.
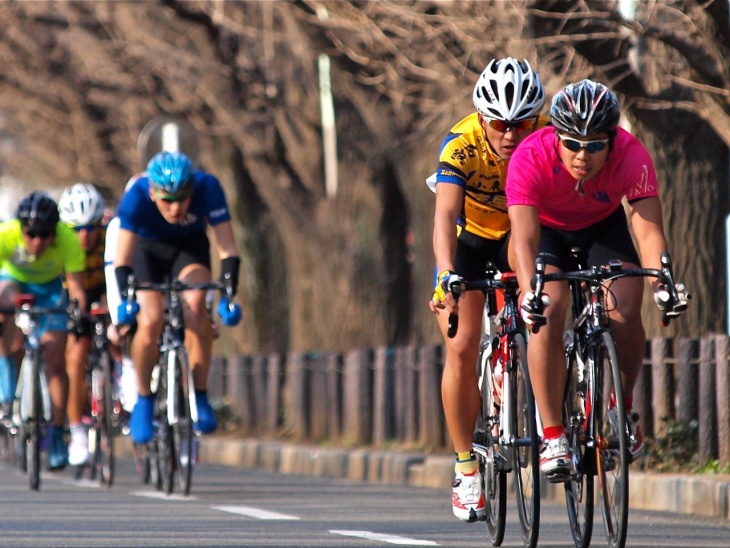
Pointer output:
x,y
472,285
599,274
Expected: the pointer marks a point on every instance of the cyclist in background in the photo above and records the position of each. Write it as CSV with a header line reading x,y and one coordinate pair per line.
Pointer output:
x,y
565,187
162,234
471,228
81,208
36,251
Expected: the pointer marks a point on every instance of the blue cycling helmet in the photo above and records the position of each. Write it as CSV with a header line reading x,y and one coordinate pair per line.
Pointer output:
x,y
170,172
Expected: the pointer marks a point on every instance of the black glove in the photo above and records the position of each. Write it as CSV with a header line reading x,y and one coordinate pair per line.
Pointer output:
x,y
229,271
122,273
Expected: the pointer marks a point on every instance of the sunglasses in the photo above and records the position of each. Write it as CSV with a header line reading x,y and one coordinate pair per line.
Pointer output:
x,y
574,145
42,234
88,228
172,198
504,127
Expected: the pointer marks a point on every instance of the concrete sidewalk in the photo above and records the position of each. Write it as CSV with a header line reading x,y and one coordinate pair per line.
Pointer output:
x,y
704,495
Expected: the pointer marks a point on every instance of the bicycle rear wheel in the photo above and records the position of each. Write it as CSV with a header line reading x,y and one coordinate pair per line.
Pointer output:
x,y
182,428
526,466
486,447
612,454
579,490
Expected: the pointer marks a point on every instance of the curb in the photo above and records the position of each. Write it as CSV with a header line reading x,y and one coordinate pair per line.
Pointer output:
x,y
707,496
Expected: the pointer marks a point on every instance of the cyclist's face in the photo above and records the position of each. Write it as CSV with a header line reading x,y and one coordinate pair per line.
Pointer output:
x,y
36,242
88,237
174,211
581,164
505,138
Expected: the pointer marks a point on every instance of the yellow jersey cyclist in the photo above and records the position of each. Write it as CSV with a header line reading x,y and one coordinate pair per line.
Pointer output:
x,y
81,208
36,251
471,228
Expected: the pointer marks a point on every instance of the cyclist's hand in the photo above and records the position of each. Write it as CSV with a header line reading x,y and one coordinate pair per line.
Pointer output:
x,y
230,313
533,313
127,314
445,284
672,308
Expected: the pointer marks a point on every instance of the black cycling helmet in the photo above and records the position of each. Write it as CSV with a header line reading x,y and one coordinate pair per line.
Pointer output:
x,y
38,211
585,108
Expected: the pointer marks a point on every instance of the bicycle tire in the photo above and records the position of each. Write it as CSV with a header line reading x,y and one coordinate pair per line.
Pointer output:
x,y
579,490
612,455
33,425
105,445
164,442
142,463
182,429
526,464
494,478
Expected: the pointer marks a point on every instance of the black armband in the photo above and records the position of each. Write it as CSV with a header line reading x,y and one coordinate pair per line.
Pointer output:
x,y
229,271
122,273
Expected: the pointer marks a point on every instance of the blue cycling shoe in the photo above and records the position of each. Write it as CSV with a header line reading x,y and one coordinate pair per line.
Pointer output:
x,y
207,422
57,449
140,422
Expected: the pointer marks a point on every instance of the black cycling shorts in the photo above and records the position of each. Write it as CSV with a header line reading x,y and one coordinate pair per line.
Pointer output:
x,y
474,252
600,243
156,261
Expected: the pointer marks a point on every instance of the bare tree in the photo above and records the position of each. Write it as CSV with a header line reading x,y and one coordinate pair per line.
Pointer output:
x,y
78,81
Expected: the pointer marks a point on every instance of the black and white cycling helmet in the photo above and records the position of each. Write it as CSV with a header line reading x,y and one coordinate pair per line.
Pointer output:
x,y
38,211
81,205
509,90
585,108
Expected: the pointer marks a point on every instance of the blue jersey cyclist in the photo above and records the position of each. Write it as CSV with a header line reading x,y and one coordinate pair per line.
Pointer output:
x,y
36,251
163,219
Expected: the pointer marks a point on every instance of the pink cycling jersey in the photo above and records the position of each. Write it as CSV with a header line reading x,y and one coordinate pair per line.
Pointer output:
x,y
537,177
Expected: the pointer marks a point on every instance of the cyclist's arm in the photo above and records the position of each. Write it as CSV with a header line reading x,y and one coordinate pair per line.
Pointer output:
x,y
75,281
449,203
647,224
126,242
224,239
524,243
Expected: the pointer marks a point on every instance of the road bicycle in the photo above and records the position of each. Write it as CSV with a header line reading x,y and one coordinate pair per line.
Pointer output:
x,y
104,404
168,459
593,410
506,437
32,409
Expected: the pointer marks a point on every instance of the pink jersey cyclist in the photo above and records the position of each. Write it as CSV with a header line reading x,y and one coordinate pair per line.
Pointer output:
x,y
538,178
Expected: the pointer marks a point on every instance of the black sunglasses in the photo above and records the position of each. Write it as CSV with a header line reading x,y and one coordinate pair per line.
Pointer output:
x,y
42,234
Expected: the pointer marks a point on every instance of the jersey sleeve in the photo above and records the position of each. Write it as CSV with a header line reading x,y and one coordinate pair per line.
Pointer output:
x,y
522,187
130,207
217,208
639,173
74,258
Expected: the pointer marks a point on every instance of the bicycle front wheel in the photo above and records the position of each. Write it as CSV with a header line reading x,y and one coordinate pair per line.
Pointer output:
x,y
486,447
105,447
182,428
31,399
612,453
163,443
526,466
579,490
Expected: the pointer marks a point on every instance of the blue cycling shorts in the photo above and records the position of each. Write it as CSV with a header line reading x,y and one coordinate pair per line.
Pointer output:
x,y
50,294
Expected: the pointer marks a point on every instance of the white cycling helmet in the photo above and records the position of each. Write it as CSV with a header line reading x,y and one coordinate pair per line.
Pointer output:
x,y
509,90
81,204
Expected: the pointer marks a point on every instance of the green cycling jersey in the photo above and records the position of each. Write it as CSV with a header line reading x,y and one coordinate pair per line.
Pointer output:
x,y
63,256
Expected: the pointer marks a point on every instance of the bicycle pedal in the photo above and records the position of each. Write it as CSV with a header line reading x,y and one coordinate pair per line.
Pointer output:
x,y
559,476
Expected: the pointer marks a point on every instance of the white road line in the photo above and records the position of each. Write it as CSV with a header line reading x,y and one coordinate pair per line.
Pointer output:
x,y
162,496
254,512
392,539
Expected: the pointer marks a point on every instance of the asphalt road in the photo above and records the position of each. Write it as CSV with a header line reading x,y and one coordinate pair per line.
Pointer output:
x,y
239,507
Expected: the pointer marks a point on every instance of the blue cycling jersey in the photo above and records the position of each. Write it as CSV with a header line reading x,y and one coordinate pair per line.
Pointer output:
x,y
139,214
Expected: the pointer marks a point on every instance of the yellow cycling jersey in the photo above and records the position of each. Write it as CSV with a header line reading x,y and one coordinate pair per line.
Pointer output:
x,y
63,255
468,160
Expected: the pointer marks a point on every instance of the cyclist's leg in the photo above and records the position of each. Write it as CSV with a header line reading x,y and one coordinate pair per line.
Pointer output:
x,y
10,342
192,265
623,302
77,350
